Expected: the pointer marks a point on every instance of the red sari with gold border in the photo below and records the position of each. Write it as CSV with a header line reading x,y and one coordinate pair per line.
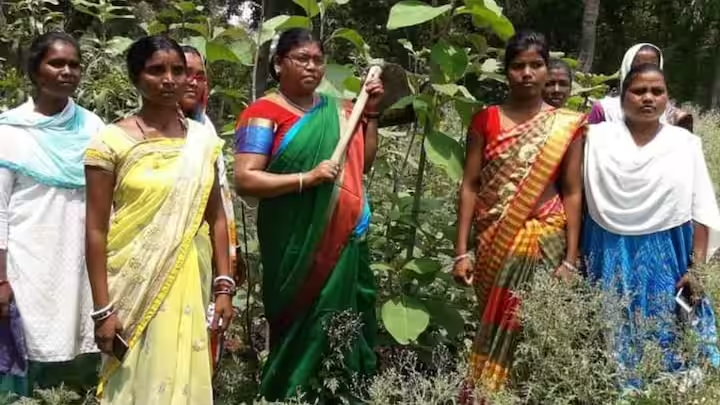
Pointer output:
x,y
515,234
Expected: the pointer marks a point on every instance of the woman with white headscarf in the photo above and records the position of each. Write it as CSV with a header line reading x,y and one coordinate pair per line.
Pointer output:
x,y
651,205
609,109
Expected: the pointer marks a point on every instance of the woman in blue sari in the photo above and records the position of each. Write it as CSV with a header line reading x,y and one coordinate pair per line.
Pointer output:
x,y
650,206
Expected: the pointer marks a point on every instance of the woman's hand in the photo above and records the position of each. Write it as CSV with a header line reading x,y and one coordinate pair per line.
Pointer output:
x,y
6,296
224,313
105,331
326,172
375,90
691,283
463,271
563,273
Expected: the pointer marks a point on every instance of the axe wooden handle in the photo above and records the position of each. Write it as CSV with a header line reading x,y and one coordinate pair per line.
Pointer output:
x,y
357,111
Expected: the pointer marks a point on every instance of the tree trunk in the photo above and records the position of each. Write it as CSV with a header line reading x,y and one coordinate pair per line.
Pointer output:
x,y
589,32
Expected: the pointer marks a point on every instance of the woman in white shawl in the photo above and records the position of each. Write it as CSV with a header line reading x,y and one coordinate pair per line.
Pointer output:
x,y
650,206
609,109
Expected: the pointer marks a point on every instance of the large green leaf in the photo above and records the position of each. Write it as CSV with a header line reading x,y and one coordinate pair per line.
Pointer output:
x,y
244,50
118,45
447,317
310,6
216,51
422,266
487,14
445,152
450,62
199,43
200,28
466,108
350,35
280,23
407,13
405,318
333,82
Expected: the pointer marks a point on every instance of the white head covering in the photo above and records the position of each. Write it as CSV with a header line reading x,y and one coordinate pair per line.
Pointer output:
x,y
612,107
629,58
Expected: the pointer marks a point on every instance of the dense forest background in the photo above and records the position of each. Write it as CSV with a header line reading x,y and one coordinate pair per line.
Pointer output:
x,y
442,62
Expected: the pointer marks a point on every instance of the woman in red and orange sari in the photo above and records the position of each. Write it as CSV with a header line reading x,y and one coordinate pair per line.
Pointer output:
x,y
522,187
312,218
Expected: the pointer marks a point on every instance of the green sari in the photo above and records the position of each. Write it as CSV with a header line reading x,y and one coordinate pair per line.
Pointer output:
x,y
314,256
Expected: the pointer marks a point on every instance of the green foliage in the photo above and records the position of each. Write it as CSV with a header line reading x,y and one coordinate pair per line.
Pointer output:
x,y
450,56
407,13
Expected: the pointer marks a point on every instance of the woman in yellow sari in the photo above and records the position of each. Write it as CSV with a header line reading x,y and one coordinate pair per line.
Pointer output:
x,y
151,271
522,187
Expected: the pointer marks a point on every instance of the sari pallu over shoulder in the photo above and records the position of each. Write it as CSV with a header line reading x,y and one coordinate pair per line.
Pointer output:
x,y
293,228
514,182
148,240
309,242
515,236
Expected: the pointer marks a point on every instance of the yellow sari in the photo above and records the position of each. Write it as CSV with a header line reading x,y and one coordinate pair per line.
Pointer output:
x,y
159,265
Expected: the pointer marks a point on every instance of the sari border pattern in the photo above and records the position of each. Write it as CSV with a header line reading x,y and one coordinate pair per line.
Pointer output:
x,y
524,200
167,285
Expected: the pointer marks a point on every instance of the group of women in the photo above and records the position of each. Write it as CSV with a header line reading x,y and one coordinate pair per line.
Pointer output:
x,y
144,205
630,198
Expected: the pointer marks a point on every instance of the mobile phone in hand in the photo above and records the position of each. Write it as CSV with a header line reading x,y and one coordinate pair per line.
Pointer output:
x,y
684,304
120,347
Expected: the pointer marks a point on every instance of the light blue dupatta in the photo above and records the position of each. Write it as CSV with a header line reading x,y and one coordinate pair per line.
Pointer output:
x,y
49,149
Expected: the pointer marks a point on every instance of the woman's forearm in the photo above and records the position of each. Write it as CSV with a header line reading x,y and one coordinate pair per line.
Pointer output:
x,y
573,211
371,144
261,184
96,257
219,238
466,209
701,236
98,205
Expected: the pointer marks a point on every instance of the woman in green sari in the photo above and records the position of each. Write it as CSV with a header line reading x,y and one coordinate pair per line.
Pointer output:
x,y
313,215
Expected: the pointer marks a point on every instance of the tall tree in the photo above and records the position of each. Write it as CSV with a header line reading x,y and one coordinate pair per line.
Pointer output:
x,y
589,33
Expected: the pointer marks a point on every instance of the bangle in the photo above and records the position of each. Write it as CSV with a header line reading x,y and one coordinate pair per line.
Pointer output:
x,y
229,279
569,266
372,115
103,313
104,316
462,257
300,176
224,292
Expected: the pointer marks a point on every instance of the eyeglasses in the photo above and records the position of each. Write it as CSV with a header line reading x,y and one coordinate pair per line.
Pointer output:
x,y
199,77
304,60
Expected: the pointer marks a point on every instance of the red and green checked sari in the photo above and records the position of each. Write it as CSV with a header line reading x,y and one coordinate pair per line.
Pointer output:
x,y
312,244
515,235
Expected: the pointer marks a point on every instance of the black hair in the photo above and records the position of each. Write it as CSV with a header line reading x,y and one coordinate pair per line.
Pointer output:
x,y
636,71
191,50
41,45
144,48
288,41
522,42
557,63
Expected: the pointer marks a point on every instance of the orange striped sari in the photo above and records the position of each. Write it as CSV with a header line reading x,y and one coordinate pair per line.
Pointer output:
x,y
515,235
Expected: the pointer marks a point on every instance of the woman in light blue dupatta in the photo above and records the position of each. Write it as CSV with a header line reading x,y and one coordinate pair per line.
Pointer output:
x,y
43,283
